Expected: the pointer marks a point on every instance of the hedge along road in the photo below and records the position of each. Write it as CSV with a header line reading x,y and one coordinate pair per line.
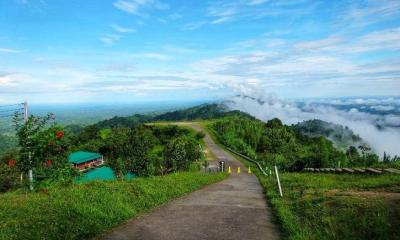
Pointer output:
x,y
232,209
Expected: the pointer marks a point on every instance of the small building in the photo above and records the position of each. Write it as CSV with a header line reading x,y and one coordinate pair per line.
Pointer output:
x,y
85,160
101,173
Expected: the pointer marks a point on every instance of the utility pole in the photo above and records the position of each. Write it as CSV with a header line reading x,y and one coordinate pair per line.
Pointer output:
x,y
30,173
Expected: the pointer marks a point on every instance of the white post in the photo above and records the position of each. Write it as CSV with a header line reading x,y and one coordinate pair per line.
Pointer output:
x,y
279,182
25,111
30,172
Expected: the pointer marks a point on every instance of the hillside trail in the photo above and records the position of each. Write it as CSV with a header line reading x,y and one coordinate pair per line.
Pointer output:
x,y
234,208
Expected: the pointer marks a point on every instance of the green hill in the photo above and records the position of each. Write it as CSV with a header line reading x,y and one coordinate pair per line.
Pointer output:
x,y
204,111
343,137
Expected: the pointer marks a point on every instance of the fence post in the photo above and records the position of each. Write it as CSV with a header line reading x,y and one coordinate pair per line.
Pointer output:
x,y
279,182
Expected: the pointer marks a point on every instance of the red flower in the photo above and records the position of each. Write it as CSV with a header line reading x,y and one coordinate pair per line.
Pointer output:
x,y
11,163
60,134
49,163
51,142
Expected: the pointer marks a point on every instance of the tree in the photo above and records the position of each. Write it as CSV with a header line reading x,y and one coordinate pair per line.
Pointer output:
x,y
141,140
89,133
181,152
42,145
116,149
274,123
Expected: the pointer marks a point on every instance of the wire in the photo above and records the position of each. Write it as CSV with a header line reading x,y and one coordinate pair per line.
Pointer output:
x,y
10,105
11,115
11,110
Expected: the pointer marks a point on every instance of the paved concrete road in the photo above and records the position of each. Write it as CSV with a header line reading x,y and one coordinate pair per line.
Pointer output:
x,y
232,209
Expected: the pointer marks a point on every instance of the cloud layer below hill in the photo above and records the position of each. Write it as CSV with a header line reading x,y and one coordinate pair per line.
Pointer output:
x,y
381,131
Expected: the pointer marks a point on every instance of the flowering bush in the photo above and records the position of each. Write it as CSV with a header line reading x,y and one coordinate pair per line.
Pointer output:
x,y
60,134
8,176
43,147
11,163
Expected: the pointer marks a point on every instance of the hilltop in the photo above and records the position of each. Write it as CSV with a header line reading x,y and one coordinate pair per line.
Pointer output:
x,y
342,136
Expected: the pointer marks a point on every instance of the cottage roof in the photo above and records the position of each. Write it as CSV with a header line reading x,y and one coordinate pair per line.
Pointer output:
x,y
82,156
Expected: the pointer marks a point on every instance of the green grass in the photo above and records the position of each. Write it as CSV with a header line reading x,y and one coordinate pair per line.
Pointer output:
x,y
333,206
85,210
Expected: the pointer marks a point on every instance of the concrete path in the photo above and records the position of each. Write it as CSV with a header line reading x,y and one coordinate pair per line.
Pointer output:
x,y
232,209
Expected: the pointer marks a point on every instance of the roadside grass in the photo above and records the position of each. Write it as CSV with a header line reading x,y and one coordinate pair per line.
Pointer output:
x,y
332,206
83,211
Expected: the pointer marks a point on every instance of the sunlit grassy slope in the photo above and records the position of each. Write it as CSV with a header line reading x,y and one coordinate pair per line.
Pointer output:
x,y
82,211
335,206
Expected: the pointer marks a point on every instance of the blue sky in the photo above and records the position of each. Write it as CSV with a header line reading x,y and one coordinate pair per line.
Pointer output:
x,y
156,50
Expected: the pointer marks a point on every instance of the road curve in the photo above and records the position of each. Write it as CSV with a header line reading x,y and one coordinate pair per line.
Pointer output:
x,y
234,208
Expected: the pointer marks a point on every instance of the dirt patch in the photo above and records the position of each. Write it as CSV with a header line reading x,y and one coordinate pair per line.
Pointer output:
x,y
366,194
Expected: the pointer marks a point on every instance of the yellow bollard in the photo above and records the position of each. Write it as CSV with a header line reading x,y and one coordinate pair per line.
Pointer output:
x,y
238,170
249,171
229,169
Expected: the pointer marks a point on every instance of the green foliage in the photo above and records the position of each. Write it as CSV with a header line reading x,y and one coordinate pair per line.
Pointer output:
x,y
243,134
8,178
124,122
274,143
342,137
85,210
205,111
7,143
200,135
141,141
147,150
181,152
89,133
43,147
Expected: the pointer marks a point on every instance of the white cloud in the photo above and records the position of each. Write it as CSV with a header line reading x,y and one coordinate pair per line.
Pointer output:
x,y
256,2
361,123
2,101
221,20
194,25
179,50
127,6
5,80
9,50
156,56
332,65
135,6
121,29
329,43
223,13
110,39
383,108
387,39
370,12
228,11
175,16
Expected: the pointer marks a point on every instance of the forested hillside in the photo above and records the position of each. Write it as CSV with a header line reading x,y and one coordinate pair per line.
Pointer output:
x,y
205,111
341,136
7,143
274,143
129,122
201,112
